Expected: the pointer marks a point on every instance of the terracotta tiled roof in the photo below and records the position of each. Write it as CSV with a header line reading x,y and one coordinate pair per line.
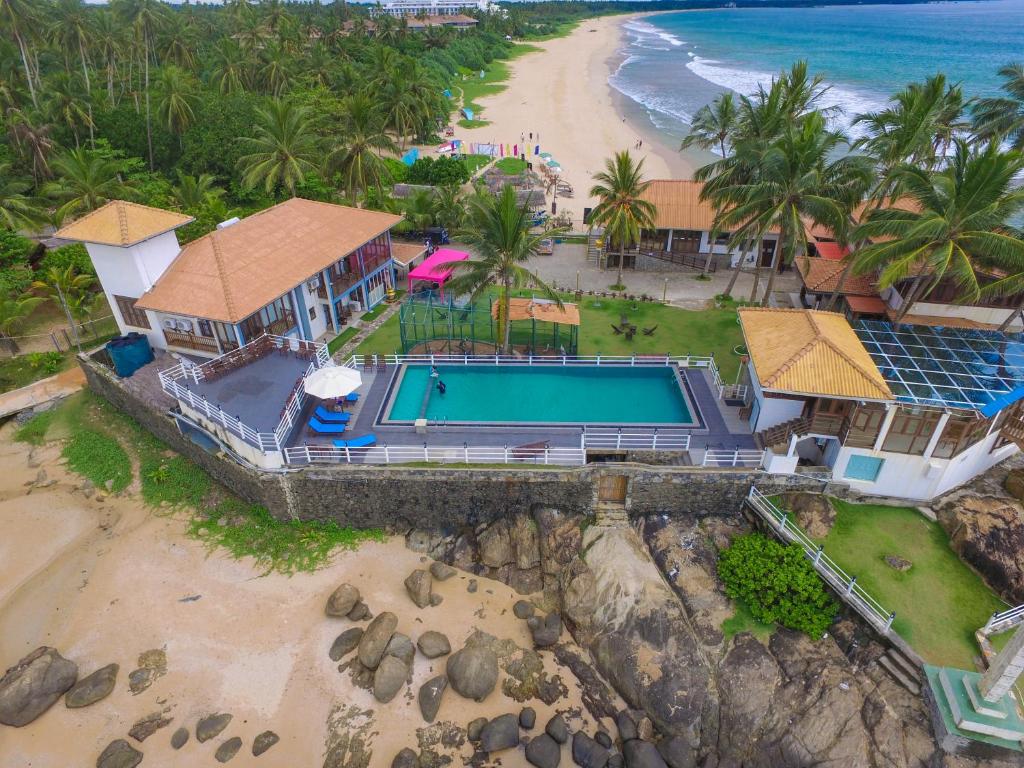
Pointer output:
x,y
547,312
810,353
822,276
231,273
679,205
122,224
406,253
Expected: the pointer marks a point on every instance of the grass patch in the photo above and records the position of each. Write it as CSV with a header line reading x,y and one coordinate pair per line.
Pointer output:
x,y
939,602
464,123
510,165
374,313
743,621
34,430
386,340
338,341
288,547
174,481
474,163
99,458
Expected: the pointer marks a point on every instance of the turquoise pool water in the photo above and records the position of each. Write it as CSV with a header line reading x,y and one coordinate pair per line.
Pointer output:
x,y
542,394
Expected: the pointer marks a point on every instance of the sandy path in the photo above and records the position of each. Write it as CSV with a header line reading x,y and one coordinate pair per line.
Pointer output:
x,y
562,94
105,581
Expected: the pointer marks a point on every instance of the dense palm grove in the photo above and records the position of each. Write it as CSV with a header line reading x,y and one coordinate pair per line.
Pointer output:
x,y
930,192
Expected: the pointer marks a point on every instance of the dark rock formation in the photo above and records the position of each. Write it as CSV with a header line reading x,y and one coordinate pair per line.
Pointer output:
x,y
434,644
263,742
228,749
474,728
31,686
473,672
418,586
586,752
345,643
527,718
557,729
400,646
406,758
146,726
441,571
430,696
642,754
179,738
92,688
210,726
359,612
500,733
376,638
545,630
543,752
119,754
522,609
342,600
813,512
388,678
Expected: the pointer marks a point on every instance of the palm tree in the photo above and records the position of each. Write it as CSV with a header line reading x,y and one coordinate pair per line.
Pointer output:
x,y
108,42
621,209
32,141
192,192
356,156
231,68
179,43
21,15
17,210
72,32
449,208
146,18
283,150
960,223
14,311
419,209
498,230
275,74
436,37
67,103
177,100
1003,116
795,180
713,125
65,288
86,179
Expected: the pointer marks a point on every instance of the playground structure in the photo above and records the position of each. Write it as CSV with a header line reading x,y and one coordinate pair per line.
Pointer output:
x,y
432,324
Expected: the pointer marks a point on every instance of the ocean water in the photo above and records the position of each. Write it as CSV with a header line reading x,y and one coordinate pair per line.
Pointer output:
x,y
675,63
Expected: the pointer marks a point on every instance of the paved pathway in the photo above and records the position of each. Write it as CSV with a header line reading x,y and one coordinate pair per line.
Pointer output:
x,y
63,384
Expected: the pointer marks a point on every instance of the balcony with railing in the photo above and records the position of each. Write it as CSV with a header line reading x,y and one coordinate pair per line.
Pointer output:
x,y
191,340
339,285
372,262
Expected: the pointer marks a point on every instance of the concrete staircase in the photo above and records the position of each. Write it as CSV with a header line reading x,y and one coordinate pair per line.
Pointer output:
x,y
902,670
777,437
610,514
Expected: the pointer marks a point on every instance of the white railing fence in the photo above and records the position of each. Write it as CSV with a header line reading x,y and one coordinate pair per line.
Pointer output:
x,y
684,361
842,582
1004,620
635,439
406,454
717,457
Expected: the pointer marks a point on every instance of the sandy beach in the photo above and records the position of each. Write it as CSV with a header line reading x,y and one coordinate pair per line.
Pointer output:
x,y
561,93
105,581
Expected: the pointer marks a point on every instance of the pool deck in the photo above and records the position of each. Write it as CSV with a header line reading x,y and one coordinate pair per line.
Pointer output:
x,y
716,433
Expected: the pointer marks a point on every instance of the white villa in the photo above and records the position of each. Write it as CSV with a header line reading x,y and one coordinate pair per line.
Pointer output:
x,y
431,7
299,269
908,411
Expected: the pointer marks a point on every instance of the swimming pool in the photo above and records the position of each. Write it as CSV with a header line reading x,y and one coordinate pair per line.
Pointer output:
x,y
541,394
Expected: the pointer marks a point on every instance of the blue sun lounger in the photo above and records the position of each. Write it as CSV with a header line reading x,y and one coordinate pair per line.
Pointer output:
x,y
326,429
352,398
363,441
331,416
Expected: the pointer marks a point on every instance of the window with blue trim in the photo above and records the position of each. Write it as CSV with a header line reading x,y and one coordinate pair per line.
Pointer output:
x,y
864,468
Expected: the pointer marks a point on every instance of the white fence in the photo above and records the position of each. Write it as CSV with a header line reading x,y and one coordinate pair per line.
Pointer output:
x,y
635,439
1004,620
842,582
739,458
435,455
684,361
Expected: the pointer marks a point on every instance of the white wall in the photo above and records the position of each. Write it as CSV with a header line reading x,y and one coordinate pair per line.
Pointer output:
x,y
771,410
131,272
319,326
991,315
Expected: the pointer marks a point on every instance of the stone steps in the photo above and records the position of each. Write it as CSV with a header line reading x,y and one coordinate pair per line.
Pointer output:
x,y
607,514
901,670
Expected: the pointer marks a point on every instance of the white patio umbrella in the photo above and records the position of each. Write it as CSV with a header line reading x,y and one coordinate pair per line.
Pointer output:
x,y
333,381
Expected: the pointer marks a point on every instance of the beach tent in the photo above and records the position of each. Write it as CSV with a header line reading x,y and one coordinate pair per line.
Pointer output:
x,y
411,156
434,269
467,113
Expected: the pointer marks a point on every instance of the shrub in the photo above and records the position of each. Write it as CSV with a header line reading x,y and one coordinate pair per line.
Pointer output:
x,y
47,362
777,583
442,172
73,255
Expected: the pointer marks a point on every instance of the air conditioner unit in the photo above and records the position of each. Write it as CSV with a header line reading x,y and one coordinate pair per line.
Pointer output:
x,y
169,324
355,306
185,325
313,284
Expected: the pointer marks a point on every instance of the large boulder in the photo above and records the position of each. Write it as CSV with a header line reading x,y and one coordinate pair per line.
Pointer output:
x,y
406,758
813,512
557,729
434,644
228,749
677,753
525,542
441,571
748,678
263,742
388,678
179,738
119,754
543,752
545,630
92,688
418,586
500,733
642,754
988,532
430,696
345,643
31,686
376,638
587,753
473,672
342,600
400,646
495,545
210,726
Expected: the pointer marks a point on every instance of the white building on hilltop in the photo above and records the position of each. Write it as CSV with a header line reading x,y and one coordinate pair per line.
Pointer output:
x,y
432,7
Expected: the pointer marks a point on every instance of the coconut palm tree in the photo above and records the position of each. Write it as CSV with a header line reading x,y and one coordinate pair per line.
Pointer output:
x,y
192,192
18,210
275,72
713,125
21,20
960,222
71,32
86,179
356,156
14,311
498,230
231,68
176,101
67,103
284,149
65,288
108,43
146,18
1003,116
796,179
30,137
449,207
179,42
621,209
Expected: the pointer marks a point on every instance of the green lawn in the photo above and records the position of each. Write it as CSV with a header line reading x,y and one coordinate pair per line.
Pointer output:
x,y
474,163
336,343
679,332
743,621
939,602
510,165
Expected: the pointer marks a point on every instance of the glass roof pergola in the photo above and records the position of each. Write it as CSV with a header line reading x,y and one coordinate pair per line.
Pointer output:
x,y
964,368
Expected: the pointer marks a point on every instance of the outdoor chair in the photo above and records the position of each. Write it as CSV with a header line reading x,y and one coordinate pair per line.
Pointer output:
x,y
331,416
320,428
382,365
650,331
363,441
618,331
352,398
630,332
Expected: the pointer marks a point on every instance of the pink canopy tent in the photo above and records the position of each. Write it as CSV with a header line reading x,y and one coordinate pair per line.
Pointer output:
x,y
433,269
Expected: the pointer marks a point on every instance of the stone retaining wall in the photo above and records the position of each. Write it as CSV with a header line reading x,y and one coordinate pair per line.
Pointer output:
x,y
400,498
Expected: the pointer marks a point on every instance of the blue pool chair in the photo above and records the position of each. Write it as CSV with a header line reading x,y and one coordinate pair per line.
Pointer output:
x,y
331,416
363,441
326,429
352,398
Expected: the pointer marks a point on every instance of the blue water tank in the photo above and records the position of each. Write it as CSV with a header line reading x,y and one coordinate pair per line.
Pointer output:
x,y
129,353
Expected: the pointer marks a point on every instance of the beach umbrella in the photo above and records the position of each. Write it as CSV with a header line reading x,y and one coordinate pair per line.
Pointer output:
x,y
545,155
333,381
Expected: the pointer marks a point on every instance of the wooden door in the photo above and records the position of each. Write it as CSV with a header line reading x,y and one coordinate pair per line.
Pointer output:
x,y
612,488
